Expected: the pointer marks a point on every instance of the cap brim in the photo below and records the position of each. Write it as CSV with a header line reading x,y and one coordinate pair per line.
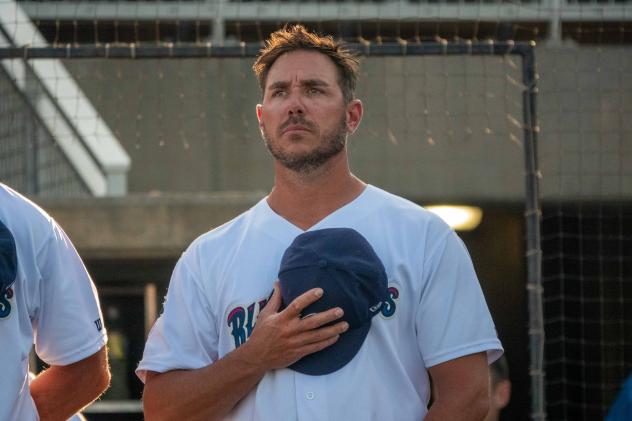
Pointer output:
x,y
336,356
8,258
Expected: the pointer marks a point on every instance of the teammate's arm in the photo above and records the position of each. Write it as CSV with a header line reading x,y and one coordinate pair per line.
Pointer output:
x,y
61,391
462,389
278,340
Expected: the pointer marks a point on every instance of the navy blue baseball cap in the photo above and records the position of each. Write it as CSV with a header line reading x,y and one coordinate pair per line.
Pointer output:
x,y
8,258
343,263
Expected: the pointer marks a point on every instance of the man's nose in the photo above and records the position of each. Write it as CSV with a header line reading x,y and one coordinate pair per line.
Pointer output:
x,y
295,104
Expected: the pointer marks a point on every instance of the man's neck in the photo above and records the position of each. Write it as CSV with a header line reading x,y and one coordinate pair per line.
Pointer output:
x,y
305,199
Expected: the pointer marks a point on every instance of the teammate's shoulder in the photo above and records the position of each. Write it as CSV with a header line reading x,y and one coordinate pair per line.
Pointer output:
x,y
21,214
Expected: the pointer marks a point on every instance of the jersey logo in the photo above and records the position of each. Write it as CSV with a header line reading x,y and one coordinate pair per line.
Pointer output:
x,y
5,303
241,321
390,305
98,324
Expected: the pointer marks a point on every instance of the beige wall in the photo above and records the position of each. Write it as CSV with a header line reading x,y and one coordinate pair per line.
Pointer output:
x,y
435,128
144,226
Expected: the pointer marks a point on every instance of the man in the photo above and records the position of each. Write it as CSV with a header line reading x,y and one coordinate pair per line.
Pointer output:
x,y
46,298
499,388
205,358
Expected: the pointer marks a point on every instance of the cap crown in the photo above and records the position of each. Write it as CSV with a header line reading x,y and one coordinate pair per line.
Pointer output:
x,y
341,262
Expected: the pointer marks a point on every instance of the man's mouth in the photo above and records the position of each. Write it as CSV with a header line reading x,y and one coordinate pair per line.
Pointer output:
x,y
296,128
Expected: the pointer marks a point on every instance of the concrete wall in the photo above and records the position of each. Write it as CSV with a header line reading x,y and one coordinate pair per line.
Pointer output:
x,y
435,128
152,226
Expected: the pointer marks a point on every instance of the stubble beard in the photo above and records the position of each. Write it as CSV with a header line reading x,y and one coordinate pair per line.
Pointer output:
x,y
331,144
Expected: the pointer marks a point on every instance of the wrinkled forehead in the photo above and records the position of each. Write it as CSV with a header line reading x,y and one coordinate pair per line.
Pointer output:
x,y
298,66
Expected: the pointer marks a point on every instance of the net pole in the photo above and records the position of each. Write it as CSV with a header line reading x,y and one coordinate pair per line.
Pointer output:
x,y
534,251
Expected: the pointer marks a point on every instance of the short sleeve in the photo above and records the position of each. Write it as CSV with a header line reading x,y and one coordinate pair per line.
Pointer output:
x,y
68,323
185,335
453,319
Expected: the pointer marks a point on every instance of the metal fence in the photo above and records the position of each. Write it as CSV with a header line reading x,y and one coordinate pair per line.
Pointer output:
x,y
30,159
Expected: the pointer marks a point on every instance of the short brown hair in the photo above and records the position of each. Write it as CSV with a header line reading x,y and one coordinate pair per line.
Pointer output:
x,y
297,37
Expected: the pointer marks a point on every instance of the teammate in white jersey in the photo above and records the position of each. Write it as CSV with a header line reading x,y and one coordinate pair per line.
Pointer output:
x,y
206,359
48,299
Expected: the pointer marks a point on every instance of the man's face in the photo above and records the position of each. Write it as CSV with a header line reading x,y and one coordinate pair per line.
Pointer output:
x,y
303,117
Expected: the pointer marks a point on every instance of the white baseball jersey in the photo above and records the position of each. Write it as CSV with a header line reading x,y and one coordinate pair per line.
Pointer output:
x,y
53,303
436,312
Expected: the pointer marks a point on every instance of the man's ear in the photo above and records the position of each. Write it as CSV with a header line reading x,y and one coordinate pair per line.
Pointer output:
x,y
259,110
502,393
354,115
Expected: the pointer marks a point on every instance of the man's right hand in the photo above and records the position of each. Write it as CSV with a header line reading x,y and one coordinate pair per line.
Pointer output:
x,y
279,339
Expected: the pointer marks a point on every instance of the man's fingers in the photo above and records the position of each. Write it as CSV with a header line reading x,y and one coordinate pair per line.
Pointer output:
x,y
322,334
295,308
274,302
320,319
317,346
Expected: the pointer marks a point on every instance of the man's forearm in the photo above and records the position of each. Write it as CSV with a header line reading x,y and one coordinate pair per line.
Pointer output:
x,y
461,389
208,393
61,391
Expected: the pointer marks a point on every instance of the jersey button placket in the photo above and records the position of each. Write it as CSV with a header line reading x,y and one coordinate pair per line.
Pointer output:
x,y
311,397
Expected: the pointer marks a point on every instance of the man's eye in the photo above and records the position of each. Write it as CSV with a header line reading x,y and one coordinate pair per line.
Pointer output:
x,y
313,91
278,93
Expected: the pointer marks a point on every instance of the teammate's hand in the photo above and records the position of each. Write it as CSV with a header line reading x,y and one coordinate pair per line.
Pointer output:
x,y
282,338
